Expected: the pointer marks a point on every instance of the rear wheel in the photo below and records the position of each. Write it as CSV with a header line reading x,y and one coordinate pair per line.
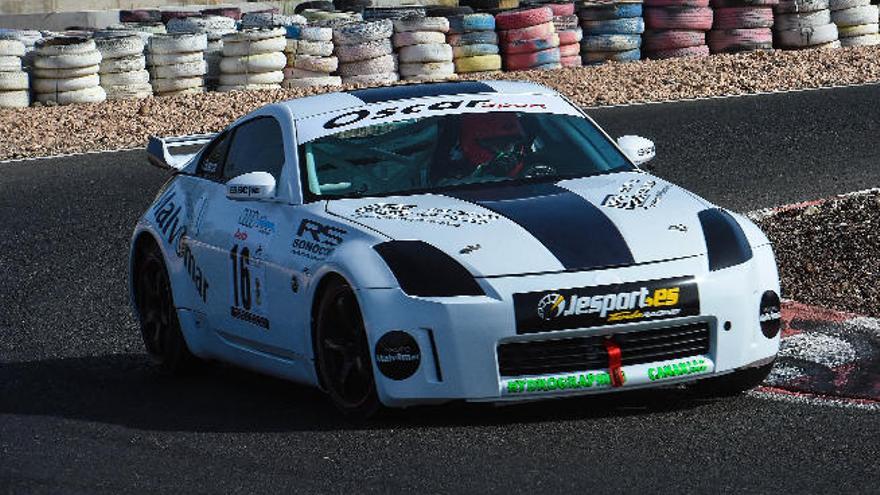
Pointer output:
x,y
342,352
732,383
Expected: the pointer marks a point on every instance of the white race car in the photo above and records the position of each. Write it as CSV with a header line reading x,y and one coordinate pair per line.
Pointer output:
x,y
478,241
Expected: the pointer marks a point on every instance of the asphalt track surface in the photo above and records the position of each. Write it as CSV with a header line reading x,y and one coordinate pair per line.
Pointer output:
x,y
82,411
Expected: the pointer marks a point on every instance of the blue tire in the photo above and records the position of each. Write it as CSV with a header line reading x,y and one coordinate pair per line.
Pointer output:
x,y
294,31
631,25
599,57
471,22
611,42
611,11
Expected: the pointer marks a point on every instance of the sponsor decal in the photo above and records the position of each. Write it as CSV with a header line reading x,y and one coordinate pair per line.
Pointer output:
x,y
412,213
253,220
679,227
678,368
470,248
248,276
602,305
315,240
636,194
770,314
561,382
167,215
347,119
398,355
245,191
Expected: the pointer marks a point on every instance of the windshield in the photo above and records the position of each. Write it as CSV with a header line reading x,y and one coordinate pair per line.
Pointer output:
x,y
458,150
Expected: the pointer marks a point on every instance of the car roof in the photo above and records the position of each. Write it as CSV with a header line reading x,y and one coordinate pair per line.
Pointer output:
x,y
309,106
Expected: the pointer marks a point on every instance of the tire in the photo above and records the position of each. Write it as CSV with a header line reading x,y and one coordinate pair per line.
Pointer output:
x,y
522,61
248,87
123,64
125,78
739,40
671,39
623,56
426,53
471,22
265,62
247,79
10,63
855,16
408,38
360,32
448,11
727,4
167,15
64,45
290,46
231,12
180,92
743,18
863,40
15,99
550,66
611,42
570,37
317,64
269,20
208,24
11,48
799,6
64,73
604,12
316,48
384,78
518,19
131,92
154,59
676,3
313,33
571,61
474,38
693,18
294,73
831,45
340,343
561,8
177,43
847,4
529,33
13,81
429,69
308,82
244,48
801,38
436,24
850,31
436,78
528,46
480,63
140,15
88,95
70,61
364,51
633,25
161,86
569,50
731,384
691,51
788,22
565,22
378,65
189,69
317,5
474,50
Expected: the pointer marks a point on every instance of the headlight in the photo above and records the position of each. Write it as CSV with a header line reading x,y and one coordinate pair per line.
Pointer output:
x,y
423,270
726,242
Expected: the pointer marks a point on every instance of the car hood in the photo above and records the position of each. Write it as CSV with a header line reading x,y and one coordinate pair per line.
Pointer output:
x,y
579,224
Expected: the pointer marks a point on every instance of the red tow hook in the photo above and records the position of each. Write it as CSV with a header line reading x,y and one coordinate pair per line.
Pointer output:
x,y
614,362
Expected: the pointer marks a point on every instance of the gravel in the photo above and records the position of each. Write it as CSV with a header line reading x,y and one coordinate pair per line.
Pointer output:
x,y
46,131
827,252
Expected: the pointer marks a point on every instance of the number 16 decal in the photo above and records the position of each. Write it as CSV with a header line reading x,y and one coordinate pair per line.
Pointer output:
x,y
248,286
241,276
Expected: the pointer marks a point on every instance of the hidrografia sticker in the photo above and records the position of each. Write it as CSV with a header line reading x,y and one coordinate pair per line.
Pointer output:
x,y
398,355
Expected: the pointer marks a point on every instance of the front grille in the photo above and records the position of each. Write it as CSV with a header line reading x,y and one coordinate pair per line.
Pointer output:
x,y
588,353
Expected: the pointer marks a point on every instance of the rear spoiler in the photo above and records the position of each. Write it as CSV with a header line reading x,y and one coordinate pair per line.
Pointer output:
x,y
159,150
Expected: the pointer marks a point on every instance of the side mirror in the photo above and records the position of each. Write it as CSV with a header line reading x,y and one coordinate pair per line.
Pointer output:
x,y
252,185
637,148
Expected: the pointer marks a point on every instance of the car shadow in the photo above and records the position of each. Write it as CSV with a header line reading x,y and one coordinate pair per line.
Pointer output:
x,y
126,389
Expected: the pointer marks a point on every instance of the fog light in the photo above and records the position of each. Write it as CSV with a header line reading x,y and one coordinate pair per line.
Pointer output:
x,y
770,314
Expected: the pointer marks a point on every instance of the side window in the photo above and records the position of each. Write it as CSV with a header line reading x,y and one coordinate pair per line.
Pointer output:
x,y
213,158
257,146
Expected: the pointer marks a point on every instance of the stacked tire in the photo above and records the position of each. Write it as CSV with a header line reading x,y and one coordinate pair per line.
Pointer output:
x,y
66,71
13,80
803,24
474,43
565,21
365,53
741,26
612,31
528,39
310,59
214,27
856,22
677,28
122,70
176,62
422,50
270,20
253,59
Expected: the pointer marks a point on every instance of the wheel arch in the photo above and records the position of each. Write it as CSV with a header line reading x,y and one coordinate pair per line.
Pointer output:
x,y
141,240
320,289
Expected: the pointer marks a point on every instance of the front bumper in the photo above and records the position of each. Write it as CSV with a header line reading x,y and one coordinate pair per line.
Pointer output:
x,y
459,337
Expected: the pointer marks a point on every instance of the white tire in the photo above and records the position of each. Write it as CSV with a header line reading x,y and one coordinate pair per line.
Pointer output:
x,y
850,31
65,73
180,92
360,32
166,85
64,45
317,64
70,61
9,63
88,95
847,4
308,82
265,62
113,47
464,51
188,69
129,92
791,6
316,48
270,19
364,51
432,69
385,78
12,81
11,48
378,65
787,22
434,78
314,33
418,38
201,24
855,16
438,24
863,40
123,64
173,58
799,38
14,99
72,84
426,53
256,47
831,45
178,43
245,79
294,73
248,87
125,78
255,34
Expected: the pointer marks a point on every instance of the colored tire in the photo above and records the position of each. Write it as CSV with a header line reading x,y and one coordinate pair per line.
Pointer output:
x,y
561,8
602,12
480,63
571,61
691,51
633,25
743,18
676,3
474,38
528,46
471,22
569,37
569,50
521,61
529,33
624,56
474,50
611,42
739,40
654,41
518,19
692,18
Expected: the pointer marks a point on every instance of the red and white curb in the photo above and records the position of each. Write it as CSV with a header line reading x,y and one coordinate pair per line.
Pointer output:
x,y
771,212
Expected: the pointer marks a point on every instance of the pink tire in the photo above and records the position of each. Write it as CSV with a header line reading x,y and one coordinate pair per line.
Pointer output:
x,y
676,3
692,18
528,46
569,50
691,51
740,40
529,33
743,18
654,41
572,61
561,8
521,61
727,4
569,37
518,19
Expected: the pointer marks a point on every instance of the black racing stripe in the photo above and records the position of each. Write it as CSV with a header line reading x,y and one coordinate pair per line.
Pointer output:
x,y
578,234
402,92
